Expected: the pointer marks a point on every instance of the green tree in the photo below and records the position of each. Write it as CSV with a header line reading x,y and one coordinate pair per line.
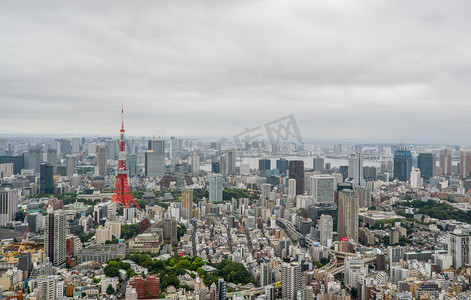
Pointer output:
x,y
110,290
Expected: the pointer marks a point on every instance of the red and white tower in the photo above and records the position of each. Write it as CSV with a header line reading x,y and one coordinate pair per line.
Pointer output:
x,y
122,193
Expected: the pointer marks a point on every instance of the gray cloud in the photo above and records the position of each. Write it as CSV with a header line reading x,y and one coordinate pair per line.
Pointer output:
x,y
372,70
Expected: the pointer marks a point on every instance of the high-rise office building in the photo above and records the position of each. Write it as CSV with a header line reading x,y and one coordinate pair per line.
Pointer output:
x,y
222,289
326,228
24,263
216,167
76,143
229,166
156,146
322,188
64,147
282,165
355,169
264,164
291,281
169,228
296,171
265,273
270,292
426,165
154,164
131,162
46,182
291,190
71,165
194,161
348,214
465,163
101,158
51,158
402,164
315,211
18,162
180,172
187,204
445,160
344,171
318,164
34,159
8,206
459,247
415,181
364,196
54,237
215,188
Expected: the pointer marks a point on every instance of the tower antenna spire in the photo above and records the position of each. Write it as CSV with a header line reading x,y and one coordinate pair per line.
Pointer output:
x,y
122,117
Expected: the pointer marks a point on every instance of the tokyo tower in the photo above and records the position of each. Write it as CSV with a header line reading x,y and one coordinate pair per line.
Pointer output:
x,y
122,194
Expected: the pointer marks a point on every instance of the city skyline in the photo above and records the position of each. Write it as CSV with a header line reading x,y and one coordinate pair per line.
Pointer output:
x,y
367,71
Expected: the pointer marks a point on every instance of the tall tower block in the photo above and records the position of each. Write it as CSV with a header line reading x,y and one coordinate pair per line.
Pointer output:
x,y
122,194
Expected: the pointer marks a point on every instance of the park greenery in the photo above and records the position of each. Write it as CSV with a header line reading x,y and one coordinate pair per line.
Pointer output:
x,y
169,270
129,231
441,211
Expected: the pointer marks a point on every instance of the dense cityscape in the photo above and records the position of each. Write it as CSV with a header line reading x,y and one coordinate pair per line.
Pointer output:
x,y
235,150
144,218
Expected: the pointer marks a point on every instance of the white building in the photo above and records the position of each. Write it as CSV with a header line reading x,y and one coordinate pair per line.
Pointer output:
x,y
459,248
103,234
322,188
415,180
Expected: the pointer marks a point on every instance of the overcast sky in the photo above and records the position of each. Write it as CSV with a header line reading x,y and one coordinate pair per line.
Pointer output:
x,y
366,70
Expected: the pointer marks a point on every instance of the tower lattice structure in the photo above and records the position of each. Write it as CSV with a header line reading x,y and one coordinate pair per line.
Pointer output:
x,y
122,193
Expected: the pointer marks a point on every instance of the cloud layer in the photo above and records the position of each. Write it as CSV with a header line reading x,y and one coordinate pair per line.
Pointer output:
x,y
367,70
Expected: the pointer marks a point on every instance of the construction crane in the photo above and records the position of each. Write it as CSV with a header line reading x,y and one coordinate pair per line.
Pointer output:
x,y
24,241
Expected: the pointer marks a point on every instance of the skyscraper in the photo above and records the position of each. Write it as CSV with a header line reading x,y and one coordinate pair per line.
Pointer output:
x,y
215,167
265,273
465,163
229,162
46,183
76,143
415,178
54,237
445,160
194,161
322,188
326,228
101,158
459,246
402,164
282,165
296,171
180,172
156,146
292,190
51,158
8,206
318,164
348,214
291,281
34,159
364,196
71,165
222,289
215,188
187,204
154,163
355,169
426,165
24,263
65,148
264,164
